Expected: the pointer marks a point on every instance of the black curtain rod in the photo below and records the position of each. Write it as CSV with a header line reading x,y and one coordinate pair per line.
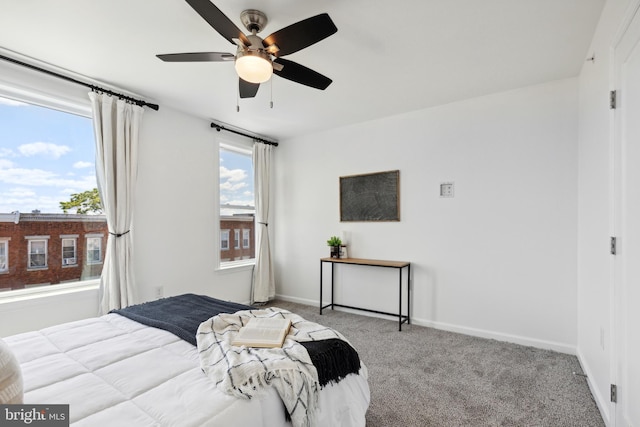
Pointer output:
x,y
255,138
93,87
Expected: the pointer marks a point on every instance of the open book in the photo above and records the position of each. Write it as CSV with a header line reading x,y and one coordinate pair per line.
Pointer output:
x,y
263,332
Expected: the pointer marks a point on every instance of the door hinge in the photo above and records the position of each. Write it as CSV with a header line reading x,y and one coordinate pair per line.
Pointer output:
x,y
612,99
614,393
613,247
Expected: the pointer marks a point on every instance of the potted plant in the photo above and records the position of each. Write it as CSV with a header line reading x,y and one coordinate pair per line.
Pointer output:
x,y
334,242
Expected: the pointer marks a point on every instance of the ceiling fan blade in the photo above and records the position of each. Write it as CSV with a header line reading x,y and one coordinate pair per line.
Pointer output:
x,y
248,90
197,57
301,74
218,20
301,34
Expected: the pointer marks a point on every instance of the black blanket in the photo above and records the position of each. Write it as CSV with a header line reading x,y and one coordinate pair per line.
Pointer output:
x,y
181,315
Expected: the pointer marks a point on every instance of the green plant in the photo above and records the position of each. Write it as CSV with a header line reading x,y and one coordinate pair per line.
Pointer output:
x,y
334,241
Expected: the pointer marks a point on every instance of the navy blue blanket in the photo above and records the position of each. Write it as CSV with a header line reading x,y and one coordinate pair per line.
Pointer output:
x,y
181,315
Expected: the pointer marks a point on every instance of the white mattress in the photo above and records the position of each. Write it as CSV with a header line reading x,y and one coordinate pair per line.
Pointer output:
x,y
115,371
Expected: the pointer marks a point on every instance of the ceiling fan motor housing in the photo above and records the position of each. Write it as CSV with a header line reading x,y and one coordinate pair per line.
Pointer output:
x,y
253,20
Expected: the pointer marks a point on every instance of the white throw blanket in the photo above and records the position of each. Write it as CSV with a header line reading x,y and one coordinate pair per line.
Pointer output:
x,y
247,372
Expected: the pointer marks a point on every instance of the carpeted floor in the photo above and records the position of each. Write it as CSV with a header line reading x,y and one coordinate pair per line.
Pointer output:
x,y
427,377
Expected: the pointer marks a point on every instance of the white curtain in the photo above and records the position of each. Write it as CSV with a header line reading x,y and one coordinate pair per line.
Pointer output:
x,y
264,288
116,125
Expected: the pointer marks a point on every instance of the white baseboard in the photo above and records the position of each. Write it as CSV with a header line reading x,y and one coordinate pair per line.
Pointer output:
x,y
499,336
602,402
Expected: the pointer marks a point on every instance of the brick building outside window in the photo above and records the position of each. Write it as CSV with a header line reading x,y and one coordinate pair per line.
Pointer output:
x,y
46,249
241,228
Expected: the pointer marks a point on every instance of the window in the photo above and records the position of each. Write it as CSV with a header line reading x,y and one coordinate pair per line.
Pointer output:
x,y
237,205
4,256
46,156
224,240
246,233
38,252
94,250
69,256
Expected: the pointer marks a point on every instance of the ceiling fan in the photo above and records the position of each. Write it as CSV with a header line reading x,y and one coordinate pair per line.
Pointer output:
x,y
256,58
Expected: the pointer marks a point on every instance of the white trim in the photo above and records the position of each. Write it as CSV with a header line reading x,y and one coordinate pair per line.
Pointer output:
x,y
9,297
232,266
224,237
602,403
5,242
75,251
482,333
88,260
31,240
246,231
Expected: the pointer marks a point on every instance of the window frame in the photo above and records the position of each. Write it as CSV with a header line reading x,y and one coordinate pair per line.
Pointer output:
x,y
30,241
246,237
74,239
89,237
53,94
224,237
4,242
244,147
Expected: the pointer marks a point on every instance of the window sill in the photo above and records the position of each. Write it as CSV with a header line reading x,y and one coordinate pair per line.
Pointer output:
x,y
237,266
8,297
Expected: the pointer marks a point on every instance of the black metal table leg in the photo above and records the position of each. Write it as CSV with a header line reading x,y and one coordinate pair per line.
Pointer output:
x,y
320,287
409,294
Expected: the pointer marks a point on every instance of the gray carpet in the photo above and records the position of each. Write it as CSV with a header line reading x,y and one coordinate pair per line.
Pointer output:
x,y
427,377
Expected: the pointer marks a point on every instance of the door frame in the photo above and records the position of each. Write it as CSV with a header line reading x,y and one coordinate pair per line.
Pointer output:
x,y
626,39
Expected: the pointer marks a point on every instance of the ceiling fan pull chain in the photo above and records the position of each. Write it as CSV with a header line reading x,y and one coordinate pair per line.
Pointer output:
x,y
271,85
238,98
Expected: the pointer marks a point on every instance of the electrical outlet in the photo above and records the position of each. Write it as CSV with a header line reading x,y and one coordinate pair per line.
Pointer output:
x,y
158,292
446,189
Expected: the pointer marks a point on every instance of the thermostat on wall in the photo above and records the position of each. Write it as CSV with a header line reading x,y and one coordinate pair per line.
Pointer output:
x,y
446,189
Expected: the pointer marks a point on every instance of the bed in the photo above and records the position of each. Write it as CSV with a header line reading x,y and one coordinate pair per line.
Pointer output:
x,y
113,370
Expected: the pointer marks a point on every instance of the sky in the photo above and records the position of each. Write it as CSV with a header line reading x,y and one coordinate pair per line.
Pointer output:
x,y
236,181
47,155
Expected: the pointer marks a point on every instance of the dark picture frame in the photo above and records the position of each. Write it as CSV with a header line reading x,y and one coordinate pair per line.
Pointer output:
x,y
370,197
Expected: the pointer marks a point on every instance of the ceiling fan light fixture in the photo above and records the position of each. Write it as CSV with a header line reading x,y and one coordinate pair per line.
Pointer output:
x,y
253,66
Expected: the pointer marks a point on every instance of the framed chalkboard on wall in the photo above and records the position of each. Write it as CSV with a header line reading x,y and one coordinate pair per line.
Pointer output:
x,y
370,197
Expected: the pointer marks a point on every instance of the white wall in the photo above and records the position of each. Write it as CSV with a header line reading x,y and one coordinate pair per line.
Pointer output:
x,y
175,224
594,215
497,260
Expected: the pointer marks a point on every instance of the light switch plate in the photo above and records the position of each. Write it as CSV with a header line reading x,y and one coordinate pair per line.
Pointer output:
x,y
446,189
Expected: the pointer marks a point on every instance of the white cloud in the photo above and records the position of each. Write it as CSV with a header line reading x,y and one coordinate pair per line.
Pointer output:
x,y
229,186
42,178
232,175
25,200
82,165
43,148
6,152
232,180
5,164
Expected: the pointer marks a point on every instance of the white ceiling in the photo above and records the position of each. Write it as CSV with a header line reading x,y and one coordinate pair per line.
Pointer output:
x,y
388,57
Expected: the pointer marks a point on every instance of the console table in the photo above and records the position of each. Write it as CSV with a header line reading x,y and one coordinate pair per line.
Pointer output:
x,y
399,265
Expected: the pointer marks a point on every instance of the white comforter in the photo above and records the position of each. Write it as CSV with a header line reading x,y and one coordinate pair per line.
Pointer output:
x,y
113,371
